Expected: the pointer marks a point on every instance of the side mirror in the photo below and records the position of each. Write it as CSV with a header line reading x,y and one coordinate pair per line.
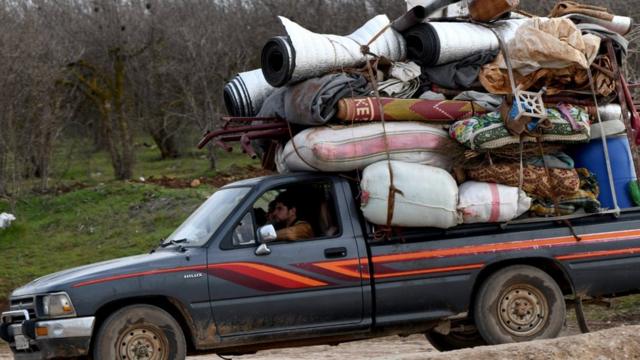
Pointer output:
x,y
266,234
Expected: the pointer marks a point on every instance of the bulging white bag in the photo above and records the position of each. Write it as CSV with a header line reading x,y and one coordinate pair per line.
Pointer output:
x,y
482,202
346,148
429,195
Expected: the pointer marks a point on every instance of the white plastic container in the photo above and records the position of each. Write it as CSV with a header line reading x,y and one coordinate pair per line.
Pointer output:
x,y
482,202
429,195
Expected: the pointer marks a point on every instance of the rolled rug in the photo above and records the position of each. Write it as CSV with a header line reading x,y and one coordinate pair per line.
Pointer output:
x,y
245,93
304,54
437,43
368,109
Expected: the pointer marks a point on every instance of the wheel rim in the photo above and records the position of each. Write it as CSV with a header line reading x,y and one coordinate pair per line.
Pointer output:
x,y
522,310
142,343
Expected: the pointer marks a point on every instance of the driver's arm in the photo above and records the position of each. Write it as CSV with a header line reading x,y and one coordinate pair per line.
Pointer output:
x,y
299,231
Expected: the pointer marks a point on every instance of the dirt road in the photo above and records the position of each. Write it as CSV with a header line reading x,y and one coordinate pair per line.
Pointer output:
x,y
384,348
619,342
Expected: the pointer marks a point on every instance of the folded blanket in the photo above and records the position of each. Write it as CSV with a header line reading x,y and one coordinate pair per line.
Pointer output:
x,y
536,180
489,132
313,102
586,198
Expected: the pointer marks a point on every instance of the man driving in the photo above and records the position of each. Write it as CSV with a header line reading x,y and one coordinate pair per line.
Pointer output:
x,y
285,217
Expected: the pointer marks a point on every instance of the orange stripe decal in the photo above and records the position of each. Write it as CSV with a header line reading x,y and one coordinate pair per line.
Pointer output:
x,y
515,245
429,271
349,268
592,254
270,274
139,274
285,274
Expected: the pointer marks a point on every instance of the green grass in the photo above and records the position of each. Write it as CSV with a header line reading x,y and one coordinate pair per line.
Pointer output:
x,y
106,219
89,225
76,163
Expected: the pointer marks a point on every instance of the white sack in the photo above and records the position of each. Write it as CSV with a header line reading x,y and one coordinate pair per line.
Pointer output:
x,y
346,148
482,202
429,195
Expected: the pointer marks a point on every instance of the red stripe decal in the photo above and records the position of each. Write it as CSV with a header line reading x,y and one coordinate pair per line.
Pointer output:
x,y
495,203
396,273
593,254
140,274
270,274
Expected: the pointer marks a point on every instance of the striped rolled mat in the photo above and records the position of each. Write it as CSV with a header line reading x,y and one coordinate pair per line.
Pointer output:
x,y
368,109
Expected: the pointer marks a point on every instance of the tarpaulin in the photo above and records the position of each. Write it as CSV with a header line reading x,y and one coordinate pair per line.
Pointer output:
x,y
552,51
368,109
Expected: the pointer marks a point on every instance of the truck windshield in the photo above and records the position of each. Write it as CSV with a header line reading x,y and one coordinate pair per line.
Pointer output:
x,y
200,226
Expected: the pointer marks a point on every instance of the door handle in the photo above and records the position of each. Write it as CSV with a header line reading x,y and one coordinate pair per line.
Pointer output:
x,y
333,253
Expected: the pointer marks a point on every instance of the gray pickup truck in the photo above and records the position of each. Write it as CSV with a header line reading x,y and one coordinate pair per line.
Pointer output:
x,y
223,283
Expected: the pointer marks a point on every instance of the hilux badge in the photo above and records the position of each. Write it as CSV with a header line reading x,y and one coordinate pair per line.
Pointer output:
x,y
193,276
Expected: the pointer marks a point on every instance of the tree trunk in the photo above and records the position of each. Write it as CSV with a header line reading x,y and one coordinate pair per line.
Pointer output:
x,y
211,154
3,172
126,140
166,143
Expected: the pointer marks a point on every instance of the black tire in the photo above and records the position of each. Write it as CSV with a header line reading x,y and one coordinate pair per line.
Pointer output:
x,y
455,340
140,332
519,303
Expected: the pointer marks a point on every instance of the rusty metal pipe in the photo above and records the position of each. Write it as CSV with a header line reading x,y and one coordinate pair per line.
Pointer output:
x,y
245,143
237,129
225,147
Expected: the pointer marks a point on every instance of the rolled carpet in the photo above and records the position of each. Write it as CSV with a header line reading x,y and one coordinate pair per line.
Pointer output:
x,y
245,93
437,43
304,54
368,109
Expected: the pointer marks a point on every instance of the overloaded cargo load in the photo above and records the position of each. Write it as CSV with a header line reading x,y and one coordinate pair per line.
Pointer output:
x,y
456,112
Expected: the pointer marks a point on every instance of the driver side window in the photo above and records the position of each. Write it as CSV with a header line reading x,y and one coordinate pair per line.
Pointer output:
x,y
244,233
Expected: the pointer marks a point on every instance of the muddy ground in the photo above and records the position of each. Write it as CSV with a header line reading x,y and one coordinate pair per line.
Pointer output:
x,y
613,338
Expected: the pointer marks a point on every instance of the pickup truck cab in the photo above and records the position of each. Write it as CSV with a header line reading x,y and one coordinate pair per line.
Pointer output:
x,y
223,283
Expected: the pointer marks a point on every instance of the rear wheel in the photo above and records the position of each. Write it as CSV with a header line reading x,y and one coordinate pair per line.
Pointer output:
x,y
466,337
519,303
139,332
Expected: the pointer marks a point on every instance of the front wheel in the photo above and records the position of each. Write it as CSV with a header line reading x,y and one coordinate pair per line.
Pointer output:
x,y
519,303
139,332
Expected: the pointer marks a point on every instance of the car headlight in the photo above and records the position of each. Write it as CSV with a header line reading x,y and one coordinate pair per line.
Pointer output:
x,y
56,305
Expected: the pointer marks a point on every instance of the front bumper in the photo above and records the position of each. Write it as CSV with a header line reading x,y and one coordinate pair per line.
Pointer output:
x,y
62,337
